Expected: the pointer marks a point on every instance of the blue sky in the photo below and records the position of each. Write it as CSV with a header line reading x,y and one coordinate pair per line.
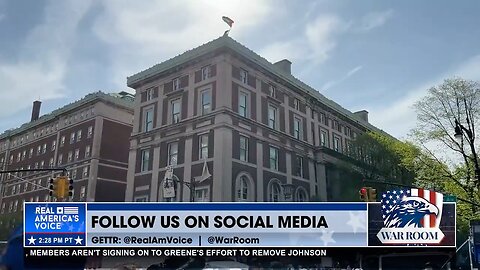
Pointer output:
x,y
376,55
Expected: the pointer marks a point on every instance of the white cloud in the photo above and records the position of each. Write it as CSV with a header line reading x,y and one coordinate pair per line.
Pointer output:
x,y
42,60
152,31
350,73
400,117
313,45
374,19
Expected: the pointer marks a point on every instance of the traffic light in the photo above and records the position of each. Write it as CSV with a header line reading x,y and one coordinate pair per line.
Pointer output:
x,y
363,194
51,187
70,188
372,195
61,187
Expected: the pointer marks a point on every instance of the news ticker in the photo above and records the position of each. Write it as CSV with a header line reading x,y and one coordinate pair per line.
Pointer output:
x,y
223,225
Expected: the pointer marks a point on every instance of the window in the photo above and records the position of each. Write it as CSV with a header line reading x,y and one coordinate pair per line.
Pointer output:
x,y
149,94
272,116
175,111
54,145
42,163
82,192
60,157
203,146
202,195
348,131
244,76
335,124
301,195
79,135
51,163
148,120
70,156
11,159
299,166
25,187
89,132
172,153
273,158
243,104
72,137
10,207
36,165
87,151
44,148
24,154
336,144
62,141
274,192
30,154
297,123
176,83
39,150
296,104
272,91
324,138
242,189
73,174
85,171
243,148
77,154
206,72
206,101
145,162
15,206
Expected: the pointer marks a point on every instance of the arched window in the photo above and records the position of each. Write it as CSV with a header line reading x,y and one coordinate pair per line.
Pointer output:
x,y
274,191
301,195
244,190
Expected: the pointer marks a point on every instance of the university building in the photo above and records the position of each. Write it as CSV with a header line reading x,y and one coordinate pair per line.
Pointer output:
x,y
264,135
89,137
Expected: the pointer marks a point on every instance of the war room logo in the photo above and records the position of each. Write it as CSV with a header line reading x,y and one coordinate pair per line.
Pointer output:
x,y
411,216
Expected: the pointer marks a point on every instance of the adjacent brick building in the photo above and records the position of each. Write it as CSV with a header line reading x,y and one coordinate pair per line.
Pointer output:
x,y
89,137
261,131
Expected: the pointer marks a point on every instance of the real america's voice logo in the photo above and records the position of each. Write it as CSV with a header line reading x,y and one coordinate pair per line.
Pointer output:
x,y
411,216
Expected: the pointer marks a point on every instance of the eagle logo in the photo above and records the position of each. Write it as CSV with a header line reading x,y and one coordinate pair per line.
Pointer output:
x,y
409,212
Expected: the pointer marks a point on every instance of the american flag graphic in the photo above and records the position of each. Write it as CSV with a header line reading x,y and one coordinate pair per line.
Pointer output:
x,y
392,198
70,210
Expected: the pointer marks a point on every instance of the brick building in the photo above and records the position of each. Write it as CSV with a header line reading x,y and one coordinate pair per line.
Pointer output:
x,y
88,137
265,135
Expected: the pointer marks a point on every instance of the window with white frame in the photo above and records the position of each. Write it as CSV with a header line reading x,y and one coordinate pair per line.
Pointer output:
x,y
323,138
244,76
73,174
77,154
274,192
60,159
173,153
176,83
273,158
36,165
145,161
72,137
30,154
272,116
39,151
44,148
24,154
297,127
62,141
243,188
301,195
82,192
272,90
176,106
203,146
243,104
202,194
337,144
89,132
85,171
42,163
54,145
87,151
70,156
243,148
149,94
206,72
51,163
148,119
79,135
299,166
206,98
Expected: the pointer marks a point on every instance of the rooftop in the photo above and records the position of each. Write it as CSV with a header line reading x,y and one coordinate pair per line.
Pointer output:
x,y
123,99
229,43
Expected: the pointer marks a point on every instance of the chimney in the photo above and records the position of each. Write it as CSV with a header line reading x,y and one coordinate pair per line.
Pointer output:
x,y
284,65
36,110
363,115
